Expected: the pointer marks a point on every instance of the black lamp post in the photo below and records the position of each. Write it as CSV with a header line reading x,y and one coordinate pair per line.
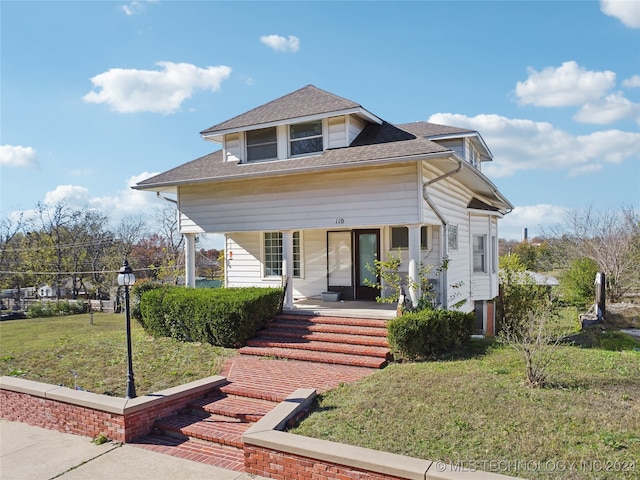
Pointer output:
x,y
126,278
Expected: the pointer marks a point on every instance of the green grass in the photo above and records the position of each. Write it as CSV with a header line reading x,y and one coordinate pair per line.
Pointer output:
x,y
473,407
50,350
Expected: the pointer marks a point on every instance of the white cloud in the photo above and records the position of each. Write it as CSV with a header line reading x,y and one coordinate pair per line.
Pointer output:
x,y
18,156
281,44
122,203
158,91
519,144
609,109
74,195
569,84
535,218
627,11
632,82
135,7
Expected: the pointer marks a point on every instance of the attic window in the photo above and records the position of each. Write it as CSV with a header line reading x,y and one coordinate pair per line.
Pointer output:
x,y
305,137
262,144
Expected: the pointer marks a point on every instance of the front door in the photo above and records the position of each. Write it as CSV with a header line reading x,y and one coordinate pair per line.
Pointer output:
x,y
367,251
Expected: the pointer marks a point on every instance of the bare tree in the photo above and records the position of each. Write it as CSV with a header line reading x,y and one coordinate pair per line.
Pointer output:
x,y
611,238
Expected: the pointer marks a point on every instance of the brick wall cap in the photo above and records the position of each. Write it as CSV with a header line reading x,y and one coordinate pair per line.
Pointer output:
x,y
342,454
22,385
278,417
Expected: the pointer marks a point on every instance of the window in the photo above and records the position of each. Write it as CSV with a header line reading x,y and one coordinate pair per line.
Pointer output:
x,y
305,137
479,253
400,237
273,254
452,237
262,144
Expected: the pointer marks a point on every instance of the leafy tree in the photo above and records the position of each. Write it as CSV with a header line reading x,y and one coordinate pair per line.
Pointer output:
x,y
527,312
611,238
578,282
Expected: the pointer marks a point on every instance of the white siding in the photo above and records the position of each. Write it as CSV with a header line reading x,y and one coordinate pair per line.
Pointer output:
x,y
456,145
345,199
337,132
232,147
245,267
355,126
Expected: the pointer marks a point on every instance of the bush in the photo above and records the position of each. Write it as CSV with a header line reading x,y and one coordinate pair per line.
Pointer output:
x,y
50,309
223,317
429,332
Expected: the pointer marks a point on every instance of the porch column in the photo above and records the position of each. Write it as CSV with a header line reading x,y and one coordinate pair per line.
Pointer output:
x,y
190,260
287,266
414,263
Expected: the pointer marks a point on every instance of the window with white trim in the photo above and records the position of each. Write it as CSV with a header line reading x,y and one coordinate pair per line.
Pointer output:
x,y
400,237
262,144
273,254
452,237
479,253
305,138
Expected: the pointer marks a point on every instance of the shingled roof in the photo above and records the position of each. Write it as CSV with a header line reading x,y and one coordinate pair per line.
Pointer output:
x,y
426,129
380,149
307,101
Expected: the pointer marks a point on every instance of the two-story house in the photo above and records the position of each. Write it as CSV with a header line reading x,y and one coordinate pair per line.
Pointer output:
x,y
315,187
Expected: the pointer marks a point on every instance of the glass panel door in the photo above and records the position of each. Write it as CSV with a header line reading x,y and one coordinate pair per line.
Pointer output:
x,y
367,244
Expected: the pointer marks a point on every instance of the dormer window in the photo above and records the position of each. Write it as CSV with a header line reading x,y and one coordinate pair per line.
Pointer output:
x,y
305,138
262,144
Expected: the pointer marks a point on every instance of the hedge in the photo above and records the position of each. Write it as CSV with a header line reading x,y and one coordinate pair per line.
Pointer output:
x,y
225,317
424,333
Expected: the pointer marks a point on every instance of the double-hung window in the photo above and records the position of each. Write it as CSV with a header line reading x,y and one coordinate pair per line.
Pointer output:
x,y
479,253
400,237
262,144
273,254
305,138
452,237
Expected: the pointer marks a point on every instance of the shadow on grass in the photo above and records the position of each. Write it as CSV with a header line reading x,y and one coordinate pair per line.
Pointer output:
x,y
598,337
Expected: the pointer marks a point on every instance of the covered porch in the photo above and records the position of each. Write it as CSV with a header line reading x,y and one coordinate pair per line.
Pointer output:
x,y
342,308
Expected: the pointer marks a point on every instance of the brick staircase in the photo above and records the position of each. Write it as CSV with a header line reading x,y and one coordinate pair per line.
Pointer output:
x,y
209,429
359,342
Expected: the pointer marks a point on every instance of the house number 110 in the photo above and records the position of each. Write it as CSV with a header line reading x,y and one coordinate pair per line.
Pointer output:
x,y
339,221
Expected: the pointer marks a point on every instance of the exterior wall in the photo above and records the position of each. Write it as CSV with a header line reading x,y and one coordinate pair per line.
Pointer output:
x,y
337,132
351,198
354,127
245,268
484,286
233,147
274,464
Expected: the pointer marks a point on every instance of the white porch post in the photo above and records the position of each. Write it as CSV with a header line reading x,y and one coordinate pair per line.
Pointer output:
x,y
414,263
287,266
190,259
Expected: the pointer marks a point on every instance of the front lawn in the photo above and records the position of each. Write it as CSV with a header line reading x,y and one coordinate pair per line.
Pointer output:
x,y
70,351
473,410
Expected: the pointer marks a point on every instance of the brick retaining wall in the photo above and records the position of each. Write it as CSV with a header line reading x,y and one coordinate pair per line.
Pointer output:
x,y
85,413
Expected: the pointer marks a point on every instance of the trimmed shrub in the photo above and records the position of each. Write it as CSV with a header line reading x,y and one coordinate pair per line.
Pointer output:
x,y
225,317
51,309
424,333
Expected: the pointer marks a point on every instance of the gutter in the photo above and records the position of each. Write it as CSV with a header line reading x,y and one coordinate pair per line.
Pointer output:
x,y
443,220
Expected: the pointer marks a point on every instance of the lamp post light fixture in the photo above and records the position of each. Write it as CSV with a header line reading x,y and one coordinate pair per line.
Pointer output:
x,y
126,278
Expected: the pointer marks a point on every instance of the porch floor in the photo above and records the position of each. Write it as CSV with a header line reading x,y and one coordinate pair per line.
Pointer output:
x,y
342,308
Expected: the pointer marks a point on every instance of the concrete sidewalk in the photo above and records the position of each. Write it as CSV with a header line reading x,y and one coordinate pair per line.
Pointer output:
x,y
33,453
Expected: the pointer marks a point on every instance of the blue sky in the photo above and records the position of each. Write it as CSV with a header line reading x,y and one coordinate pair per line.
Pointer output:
x,y
97,95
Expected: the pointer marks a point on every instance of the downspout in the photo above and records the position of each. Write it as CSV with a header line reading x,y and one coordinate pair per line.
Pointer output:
x,y
443,220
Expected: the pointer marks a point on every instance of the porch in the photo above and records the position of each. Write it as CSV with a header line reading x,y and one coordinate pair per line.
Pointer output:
x,y
342,308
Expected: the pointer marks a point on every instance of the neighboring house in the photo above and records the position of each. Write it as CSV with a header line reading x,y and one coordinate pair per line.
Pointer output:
x,y
314,187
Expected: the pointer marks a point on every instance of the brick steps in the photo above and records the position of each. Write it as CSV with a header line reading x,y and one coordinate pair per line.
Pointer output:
x,y
209,427
375,341
244,408
329,347
208,430
201,451
358,342
312,356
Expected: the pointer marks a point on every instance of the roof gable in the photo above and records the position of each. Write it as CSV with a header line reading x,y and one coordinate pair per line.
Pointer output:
x,y
305,102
